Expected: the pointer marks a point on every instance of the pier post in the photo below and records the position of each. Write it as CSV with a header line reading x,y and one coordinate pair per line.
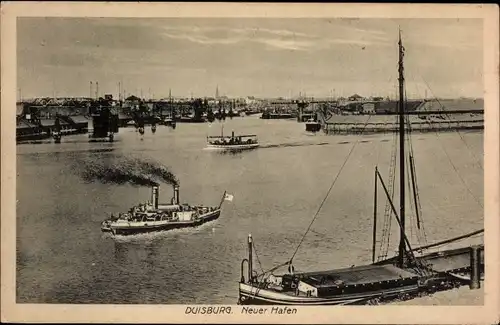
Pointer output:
x,y
250,249
475,260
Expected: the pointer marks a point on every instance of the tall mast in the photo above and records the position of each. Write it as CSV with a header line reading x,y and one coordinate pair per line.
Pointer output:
x,y
401,257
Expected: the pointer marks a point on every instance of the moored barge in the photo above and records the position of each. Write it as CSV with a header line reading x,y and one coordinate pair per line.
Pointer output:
x,y
354,285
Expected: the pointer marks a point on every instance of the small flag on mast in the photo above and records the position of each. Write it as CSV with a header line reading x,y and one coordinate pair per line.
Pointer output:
x,y
228,197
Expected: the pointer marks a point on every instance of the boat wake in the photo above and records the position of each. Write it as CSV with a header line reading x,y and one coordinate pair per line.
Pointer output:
x,y
308,144
293,144
134,171
172,233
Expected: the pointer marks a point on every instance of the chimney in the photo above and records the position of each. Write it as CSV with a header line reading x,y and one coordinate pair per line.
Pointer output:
x,y
176,194
155,193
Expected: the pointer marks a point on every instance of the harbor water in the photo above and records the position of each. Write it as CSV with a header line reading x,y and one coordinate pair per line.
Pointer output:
x,y
62,256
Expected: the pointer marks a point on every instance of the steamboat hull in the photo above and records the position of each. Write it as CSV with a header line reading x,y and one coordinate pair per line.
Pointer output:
x,y
133,230
233,147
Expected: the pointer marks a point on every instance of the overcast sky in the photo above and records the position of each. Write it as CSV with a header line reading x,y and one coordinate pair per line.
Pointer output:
x,y
259,57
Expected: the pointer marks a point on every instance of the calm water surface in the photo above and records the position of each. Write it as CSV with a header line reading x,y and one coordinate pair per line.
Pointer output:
x,y
62,256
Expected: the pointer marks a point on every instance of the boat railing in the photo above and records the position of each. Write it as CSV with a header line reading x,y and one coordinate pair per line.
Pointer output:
x,y
230,136
232,140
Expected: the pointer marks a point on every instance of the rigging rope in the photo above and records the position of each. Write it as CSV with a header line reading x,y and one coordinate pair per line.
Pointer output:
x,y
378,159
411,203
461,178
386,233
257,256
413,207
444,242
417,212
455,168
441,106
329,190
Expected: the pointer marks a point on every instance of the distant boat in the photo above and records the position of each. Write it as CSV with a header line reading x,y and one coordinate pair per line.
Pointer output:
x,y
276,116
168,120
249,112
411,271
233,142
155,217
313,126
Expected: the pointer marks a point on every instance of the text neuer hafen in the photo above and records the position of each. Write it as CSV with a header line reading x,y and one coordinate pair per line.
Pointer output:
x,y
264,311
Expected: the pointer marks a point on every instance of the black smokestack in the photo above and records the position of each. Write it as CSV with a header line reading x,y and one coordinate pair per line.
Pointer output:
x,y
115,174
176,195
155,194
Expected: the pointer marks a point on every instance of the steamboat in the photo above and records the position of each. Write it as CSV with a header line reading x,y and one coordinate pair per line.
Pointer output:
x,y
411,272
233,142
152,216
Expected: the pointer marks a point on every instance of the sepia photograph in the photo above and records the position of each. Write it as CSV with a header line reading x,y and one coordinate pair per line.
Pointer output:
x,y
250,165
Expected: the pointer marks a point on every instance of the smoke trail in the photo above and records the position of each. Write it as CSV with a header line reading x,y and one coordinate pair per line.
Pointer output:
x,y
158,170
126,170
114,174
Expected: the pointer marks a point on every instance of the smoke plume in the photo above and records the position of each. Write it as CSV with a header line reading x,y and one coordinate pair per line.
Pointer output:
x,y
123,170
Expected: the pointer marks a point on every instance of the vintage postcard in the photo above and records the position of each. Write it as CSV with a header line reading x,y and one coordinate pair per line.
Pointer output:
x,y
250,163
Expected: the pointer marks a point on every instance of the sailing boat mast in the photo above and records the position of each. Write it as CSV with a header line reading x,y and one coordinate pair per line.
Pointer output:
x,y
401,257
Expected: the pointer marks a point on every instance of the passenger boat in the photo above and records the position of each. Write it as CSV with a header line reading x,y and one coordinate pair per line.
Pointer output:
x,y
153,217
410,272
233,142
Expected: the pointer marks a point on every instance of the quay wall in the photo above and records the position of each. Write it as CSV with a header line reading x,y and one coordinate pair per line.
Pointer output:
x,y
356,124
440,122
